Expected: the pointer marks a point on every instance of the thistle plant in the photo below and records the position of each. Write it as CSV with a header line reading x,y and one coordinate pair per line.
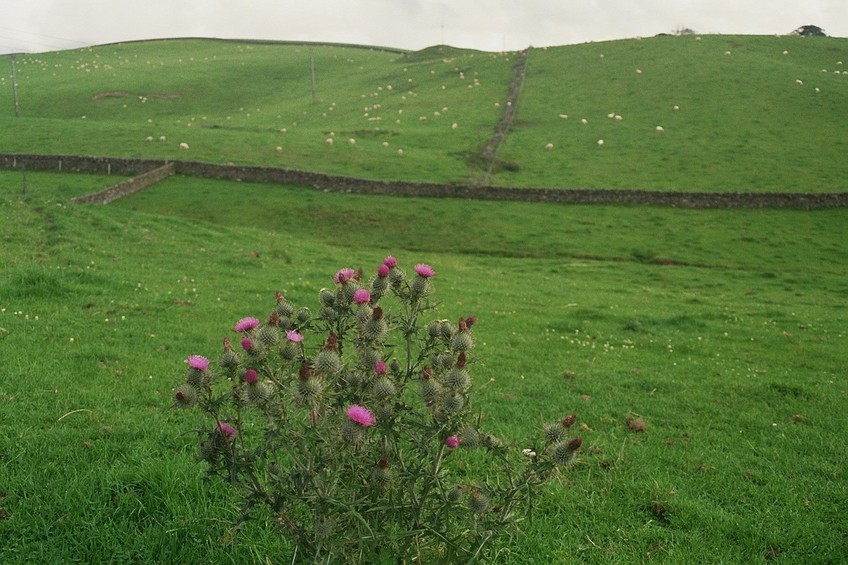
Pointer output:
x,y
349,426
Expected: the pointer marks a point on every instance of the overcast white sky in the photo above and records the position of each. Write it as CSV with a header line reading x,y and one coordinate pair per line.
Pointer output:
x,y
490,25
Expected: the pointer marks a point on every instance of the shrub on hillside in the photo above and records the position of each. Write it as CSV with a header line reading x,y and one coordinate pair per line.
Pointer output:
x,y
355,427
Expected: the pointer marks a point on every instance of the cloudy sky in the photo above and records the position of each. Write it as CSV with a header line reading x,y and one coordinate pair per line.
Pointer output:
x,y
490,25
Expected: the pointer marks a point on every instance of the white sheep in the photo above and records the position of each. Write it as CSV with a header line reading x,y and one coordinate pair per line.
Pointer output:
x,y
584,121
149,138
618,117
400,151
454,125
385,144
351,141
799,82
328,141
676,107
600,142
279,148
660,129
183,145
161,139
549,146
564,116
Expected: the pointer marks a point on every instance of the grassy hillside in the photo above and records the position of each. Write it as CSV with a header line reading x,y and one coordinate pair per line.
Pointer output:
x,y
742,124
731,354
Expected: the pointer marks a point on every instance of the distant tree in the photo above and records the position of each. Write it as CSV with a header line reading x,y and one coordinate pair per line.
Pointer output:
x,y
683,31
809,31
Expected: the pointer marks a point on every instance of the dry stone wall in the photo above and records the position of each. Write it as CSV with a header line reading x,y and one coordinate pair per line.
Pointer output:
x,y
333,183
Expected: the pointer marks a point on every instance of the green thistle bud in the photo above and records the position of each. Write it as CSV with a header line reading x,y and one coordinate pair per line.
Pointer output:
x,y
197,378
461,341
564,451
492,442
396,276
379,286
322,527
369,356
284,323
328,297
384,412
327,362
469,437
185,396
229,359
375,330
363,313
478,502
394,366
353,379
446,329
455,494
284,309
309,390
352,432
429,390
554,432
268,336
382,474
303,315
433,329
453,402
383,388
259,392
457,379
328,313
441,361
290,350
420,286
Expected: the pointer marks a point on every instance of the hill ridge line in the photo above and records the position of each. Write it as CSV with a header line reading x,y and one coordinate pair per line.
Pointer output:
x,y
336,183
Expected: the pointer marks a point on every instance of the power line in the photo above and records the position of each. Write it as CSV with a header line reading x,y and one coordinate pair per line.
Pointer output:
x,y
81,43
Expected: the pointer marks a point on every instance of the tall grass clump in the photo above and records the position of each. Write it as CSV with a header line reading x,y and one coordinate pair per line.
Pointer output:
x,y
355,427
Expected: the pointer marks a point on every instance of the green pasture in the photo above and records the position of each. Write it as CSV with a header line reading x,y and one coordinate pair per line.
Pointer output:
x,y
723,332
743,122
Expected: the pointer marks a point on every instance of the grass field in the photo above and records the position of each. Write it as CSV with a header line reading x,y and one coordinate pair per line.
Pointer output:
x,y
743,122
723,331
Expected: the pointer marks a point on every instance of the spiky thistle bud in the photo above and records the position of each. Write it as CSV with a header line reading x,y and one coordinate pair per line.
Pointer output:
x,y
457,379
383,388
259,392
322,527
382,474
455,494
564,451
478,502
352,432
554,432
303,315
446,329
374,329
433,329
469,437
369,356
269,335
452,402
462,341
308,390
185,396
328,297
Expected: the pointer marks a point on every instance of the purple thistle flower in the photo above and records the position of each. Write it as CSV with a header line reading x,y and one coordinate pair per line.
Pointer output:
x,y
390,262
361,296
226,430
452,442
424,271
360,415
383,271
198,362
247,344
380,368
343,275
246,324
293,336
250,376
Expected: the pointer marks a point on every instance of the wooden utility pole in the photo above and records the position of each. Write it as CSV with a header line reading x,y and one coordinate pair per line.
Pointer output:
x,y
15,87
312,66
23,179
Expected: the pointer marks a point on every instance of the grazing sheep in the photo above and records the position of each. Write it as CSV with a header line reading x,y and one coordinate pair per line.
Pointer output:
x,y
564,116
161,139
799,82
600,142
584,121
278,148
400,151
454,125
149,138
549,146
618,117
385,144
676,107
329,141
351,141
184,145
660,129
